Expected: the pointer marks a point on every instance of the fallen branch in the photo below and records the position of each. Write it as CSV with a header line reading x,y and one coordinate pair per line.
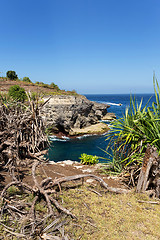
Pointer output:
x,y
100,180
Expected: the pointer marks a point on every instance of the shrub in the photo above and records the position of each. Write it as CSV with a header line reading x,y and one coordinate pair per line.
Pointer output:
x,y
26,79
17,93
41,84
11,75
54,86
88,159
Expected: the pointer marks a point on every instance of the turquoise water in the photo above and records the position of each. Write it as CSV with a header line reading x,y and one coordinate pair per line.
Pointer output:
x,y
64,149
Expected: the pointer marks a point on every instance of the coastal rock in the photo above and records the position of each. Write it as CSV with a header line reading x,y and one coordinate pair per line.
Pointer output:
x,y
98,128
65,113
109,117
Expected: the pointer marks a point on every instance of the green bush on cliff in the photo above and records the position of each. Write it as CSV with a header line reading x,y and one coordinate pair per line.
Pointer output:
x,y
88,159
54,86
26,79
11,75
17,93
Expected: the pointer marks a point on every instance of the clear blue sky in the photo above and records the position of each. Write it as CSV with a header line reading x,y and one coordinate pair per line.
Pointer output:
x,y
92,46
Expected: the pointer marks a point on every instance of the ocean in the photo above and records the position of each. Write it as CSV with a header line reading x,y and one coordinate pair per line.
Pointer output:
x,y
71,149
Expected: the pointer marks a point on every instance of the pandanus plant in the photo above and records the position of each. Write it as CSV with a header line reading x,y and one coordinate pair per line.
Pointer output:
x,y
130,134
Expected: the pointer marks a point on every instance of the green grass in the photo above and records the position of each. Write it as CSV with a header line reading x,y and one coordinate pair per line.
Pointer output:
x,y
13,190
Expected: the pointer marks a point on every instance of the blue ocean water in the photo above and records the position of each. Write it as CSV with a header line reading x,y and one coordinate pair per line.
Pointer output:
x,y
64,149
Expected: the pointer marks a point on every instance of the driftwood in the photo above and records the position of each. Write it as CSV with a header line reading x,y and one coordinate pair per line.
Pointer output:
x,y
149,177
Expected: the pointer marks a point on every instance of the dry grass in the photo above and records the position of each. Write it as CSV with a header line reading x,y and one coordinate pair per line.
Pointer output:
x,y
111,216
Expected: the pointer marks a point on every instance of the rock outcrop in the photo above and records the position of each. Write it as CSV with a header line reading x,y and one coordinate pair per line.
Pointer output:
x,y
97,128
109,117
66,113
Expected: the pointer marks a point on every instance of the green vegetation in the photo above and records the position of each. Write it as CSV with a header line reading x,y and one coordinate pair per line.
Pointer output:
x,y
4,97
54,86
130,135
11,75
40,207
17,93
13,190
45,85
88,159
26,79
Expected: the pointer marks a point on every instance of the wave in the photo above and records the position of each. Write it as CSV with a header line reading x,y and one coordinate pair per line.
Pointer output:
x,y
105,121
113,104
86,135
63,139
110,103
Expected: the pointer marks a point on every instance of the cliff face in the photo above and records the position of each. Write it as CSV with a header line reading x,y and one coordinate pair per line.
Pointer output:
x,y
63,113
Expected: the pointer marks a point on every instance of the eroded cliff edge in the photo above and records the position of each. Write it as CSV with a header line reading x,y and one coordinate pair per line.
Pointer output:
x,y
74,115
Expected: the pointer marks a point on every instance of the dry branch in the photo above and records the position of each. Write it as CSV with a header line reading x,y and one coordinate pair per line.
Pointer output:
x,y
100,180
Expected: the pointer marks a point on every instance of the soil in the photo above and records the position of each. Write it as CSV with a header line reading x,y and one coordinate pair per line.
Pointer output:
x,y
58,170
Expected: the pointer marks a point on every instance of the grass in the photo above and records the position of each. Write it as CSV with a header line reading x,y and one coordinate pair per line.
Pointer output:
x,y
40,207
13,190
111,216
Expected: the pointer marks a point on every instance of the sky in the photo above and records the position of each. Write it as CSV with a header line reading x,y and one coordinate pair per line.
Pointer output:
x,y
91,46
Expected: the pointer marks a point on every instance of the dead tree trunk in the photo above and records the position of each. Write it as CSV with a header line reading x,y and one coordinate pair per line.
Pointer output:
x,y
149,177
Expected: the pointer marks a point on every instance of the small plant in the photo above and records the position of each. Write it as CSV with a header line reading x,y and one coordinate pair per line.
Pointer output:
x,y
88,159
17,93
4,97
41,208
13,190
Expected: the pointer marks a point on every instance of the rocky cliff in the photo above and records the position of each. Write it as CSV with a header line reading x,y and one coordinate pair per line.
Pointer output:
x,y
65,113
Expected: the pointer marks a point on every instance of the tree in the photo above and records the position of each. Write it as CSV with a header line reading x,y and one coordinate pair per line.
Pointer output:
x,y
54,86
11,75
17,93
26,79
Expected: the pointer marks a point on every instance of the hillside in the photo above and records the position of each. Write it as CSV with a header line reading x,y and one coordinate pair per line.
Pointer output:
x,y
40,87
